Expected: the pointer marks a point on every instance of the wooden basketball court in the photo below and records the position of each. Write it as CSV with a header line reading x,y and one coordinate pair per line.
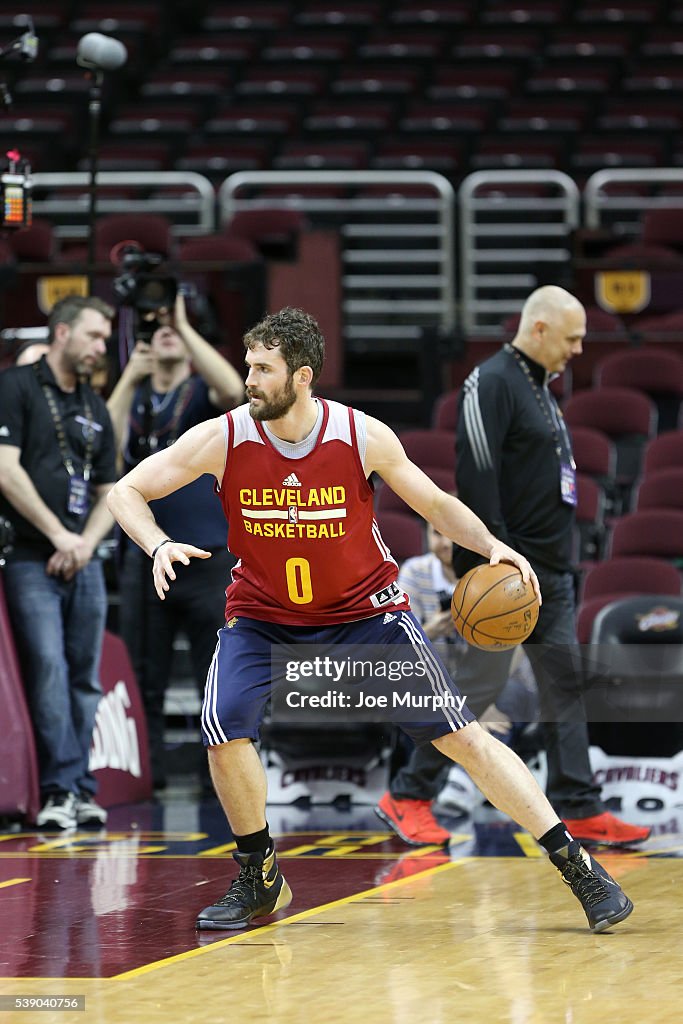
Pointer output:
x,y
485,931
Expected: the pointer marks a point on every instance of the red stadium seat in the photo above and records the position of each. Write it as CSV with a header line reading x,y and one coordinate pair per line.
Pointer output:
x,y
631,574
627,416
651,532
445,412
272,231
589,533
151,230
234,288
655,371
661,489
389,501
663,226
403,534
430,449
665,450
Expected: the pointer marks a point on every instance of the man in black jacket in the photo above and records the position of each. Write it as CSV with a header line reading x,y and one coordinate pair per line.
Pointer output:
x,y
57,464
515,469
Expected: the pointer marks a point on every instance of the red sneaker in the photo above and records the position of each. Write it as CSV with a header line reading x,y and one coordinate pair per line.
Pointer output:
x,y
606,829
412,821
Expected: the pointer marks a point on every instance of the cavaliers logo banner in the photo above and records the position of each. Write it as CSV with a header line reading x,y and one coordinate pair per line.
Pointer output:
x,y
52,289
622,291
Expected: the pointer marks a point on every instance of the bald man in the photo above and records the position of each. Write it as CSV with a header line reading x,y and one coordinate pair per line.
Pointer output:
x,y
515,469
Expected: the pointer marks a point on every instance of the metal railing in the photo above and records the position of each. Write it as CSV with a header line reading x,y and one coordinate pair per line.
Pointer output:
x,y
397,248
63,199
621,211
509,239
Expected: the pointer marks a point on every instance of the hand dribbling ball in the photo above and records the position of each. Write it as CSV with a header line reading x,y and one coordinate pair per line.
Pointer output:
x,y
493,608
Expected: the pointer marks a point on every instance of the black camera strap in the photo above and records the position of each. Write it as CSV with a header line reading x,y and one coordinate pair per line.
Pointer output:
x,y
182,399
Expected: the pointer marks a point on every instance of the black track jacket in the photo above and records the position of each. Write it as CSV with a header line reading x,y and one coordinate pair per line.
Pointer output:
x,y
507,465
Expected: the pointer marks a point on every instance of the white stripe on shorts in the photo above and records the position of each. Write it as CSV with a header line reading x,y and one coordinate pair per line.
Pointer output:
x,y
210,722
435,673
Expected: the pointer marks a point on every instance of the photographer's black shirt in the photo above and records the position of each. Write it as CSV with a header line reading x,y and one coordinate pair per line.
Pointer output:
x,y
156,421
26,423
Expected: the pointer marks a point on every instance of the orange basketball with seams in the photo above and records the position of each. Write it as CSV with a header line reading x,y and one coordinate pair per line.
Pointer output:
x,y
493,608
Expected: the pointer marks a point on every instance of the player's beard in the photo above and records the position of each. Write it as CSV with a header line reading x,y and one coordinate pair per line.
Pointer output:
x,y
273,408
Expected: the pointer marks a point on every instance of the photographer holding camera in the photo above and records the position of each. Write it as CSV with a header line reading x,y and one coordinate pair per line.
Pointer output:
x,y
169,384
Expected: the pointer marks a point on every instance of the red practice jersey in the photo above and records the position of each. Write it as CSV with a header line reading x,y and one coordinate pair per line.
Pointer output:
x,y
304,531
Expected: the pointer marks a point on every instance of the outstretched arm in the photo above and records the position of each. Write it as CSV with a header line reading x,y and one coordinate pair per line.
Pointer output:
x,y
385,455
226,387
200,450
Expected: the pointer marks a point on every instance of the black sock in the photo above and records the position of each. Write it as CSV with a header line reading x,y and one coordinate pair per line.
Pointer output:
x,y
557,839
255,842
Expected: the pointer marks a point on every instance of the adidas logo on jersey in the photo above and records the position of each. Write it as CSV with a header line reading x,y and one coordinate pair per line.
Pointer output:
x,y
291,481
388,618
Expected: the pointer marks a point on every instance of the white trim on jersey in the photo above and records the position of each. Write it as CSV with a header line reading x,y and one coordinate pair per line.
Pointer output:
x,y
337,427
474,423
435,673
384,550
244,428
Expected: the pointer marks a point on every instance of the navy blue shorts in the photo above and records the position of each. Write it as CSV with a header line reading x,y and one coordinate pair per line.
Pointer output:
x,y
240,679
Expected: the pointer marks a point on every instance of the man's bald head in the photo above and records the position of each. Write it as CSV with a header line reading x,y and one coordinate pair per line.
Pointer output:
x,y
547,304
552,327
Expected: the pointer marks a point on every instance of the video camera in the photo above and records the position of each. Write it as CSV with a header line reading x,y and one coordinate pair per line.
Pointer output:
x,y
142,286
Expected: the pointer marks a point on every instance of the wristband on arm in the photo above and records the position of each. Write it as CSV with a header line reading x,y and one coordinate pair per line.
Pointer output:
x,y
167,541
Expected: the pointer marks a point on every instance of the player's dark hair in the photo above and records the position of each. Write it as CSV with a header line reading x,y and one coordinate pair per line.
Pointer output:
x,y
296,334
68,310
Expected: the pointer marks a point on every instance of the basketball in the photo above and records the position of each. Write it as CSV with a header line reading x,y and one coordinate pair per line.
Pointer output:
x,y
493,608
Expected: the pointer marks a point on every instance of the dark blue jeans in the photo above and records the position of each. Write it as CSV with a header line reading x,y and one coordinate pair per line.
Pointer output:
x,y
58,628
555,658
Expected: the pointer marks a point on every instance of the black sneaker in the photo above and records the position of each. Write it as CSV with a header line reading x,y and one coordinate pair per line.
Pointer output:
x,y
258,890
604,901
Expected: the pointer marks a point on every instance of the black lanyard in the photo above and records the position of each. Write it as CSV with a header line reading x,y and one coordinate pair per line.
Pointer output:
x,y
557,418
171,429
61,433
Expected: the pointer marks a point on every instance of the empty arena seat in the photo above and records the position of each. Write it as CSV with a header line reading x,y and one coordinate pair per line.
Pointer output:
x,y
634,675
627,416
655,532
589,529
430,449
232,279
389,501
270,230
661,489
655,371
403,534
152,231
445,412
663,227
665,450
631,574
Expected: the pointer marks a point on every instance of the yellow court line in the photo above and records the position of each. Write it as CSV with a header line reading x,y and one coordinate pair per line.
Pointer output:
x,y
312,912
282,855
13,881
528,845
